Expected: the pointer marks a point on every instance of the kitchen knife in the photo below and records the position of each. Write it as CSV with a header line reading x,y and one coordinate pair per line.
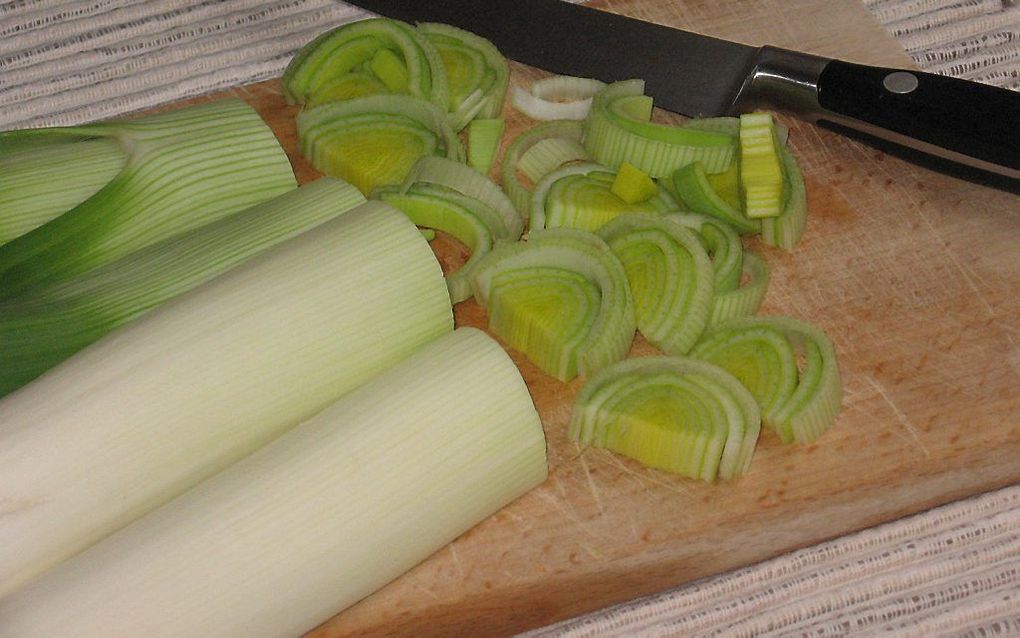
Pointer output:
x,y
967,123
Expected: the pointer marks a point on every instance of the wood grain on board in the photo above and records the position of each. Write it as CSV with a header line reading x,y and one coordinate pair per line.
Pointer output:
x,y
916,278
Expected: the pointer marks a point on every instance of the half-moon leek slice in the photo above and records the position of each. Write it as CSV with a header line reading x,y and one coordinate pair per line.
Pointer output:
x,y
536,152
374,140
788,365
722,245
619,128
786,230
670,277
558,97
579,195
672,413
383,52
747,297
477,73
693,187
561,299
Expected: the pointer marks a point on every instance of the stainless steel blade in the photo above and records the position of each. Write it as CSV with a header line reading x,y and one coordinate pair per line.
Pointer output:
x,y
685,72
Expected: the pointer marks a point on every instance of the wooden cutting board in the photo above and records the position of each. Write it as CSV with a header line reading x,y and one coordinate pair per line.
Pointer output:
x,y
916,278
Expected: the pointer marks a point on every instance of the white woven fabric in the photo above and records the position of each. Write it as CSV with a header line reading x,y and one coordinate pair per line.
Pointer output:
x,y
950,571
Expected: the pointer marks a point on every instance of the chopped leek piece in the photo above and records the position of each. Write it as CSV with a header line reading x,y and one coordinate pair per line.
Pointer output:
x,y
746,299
693,188
42,329
613,135
558,97
672,413
42,182
722,245
484,135
473,223
579,195
540,164
632,185
184,168
460,178
316,520
179,394
561,299
374,140
394,54
670,276
798,402
477,72
347,87
761,168
786,230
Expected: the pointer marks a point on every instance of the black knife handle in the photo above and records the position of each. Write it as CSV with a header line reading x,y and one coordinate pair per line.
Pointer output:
x,y
974,124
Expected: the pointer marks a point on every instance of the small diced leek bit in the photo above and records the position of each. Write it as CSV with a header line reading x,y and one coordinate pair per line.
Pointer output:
x,y
561,299
671,413
632,185
670,277
42,328
761,167
316,520
798,401
373,141
484,136
618,130
184,168
172,398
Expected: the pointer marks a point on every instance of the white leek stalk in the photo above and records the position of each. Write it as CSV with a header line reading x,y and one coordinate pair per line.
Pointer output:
x,y
170,399
317,519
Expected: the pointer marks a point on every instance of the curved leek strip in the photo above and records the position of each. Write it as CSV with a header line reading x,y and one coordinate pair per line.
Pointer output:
x,y
579,195
800,401
183,392
761,168
786,230
348,500
468,220
619,129
476,72
672,413
561,298
384,53
670,276
40,330
469,182
184,168
40,183
722,245
559,97
484,136
544,158
374,140
691,185
746,299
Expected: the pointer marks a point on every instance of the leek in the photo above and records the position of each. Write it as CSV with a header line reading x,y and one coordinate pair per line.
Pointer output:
x,y
184,168
319,518
184,391
371,141
722,245
579,195
693,187
484,136
42,329
799,401
761,168
745,299
43,181
619,129
353,59
670,276
671,413
477,73
786,230
561,299
532,153
558,97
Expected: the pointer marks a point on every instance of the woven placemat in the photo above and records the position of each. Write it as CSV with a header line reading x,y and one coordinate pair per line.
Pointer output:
x,y
953,570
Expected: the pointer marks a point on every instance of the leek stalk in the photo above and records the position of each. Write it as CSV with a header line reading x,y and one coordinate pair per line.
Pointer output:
x,y
172,398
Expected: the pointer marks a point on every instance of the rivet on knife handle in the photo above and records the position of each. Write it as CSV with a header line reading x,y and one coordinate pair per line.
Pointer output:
x,y
965,122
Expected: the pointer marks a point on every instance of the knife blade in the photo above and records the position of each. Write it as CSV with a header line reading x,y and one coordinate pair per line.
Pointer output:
x,y
966,123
